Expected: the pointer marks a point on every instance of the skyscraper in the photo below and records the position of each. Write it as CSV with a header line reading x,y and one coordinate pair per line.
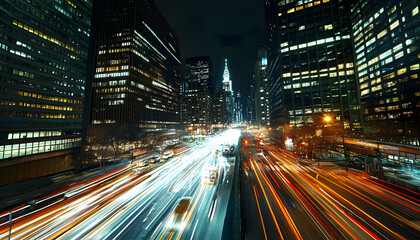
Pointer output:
x,y
238,108
219,106
250,117
197,92
314,62
43,56
262,88
136,80
229,97
386,43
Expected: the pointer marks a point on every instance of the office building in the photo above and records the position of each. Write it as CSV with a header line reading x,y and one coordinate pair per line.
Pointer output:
x,y
238,108
43,56
219,107
262,88
250,108
386,39
137,69
312,72
197,92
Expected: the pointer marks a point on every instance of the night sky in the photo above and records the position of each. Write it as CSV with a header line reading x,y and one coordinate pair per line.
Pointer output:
x,y
231,29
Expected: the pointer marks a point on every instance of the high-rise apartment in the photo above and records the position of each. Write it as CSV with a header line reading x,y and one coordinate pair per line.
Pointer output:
x,y
386,38
311,69
197,92
43,56
137,69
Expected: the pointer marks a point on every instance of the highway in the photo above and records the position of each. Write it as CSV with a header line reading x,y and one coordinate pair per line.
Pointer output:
x,y
294,199
140,203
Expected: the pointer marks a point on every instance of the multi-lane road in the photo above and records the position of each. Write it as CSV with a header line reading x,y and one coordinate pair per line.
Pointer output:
x,y
293,199
142,204
187,196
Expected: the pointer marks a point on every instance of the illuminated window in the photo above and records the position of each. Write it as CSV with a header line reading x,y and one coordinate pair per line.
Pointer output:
x,y
376,88
414,67
385,54
328,27
415,11
299,8
291,10
365,85
370,42
401,71
395,24
398,55
373,60
381,34
364,92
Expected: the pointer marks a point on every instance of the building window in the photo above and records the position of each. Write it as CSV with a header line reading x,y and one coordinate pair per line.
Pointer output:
x,y
415,11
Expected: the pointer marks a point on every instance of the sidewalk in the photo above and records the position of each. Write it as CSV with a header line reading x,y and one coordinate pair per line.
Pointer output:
x,y
20,193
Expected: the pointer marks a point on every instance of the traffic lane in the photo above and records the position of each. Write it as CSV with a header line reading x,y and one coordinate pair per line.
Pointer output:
x,y
208,217
250,211
397,210
113,186
70,206
200,201
301,212
222,195
203,214
393,217
361,218
342,221
276,218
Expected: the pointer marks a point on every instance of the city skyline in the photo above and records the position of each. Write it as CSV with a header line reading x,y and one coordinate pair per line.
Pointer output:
x,y
241,119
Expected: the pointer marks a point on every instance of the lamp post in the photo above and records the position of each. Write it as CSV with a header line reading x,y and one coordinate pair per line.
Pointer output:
x,y
345,150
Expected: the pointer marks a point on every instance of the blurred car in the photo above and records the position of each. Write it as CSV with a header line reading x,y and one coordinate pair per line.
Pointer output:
x,y
180,212
155,159
167,154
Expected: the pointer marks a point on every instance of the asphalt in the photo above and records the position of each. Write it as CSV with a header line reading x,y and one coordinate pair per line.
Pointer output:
x,y
13,195
131,202
284,197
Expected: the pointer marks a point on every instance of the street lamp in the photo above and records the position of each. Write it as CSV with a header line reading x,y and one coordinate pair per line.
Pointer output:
x,y
327,119
345,151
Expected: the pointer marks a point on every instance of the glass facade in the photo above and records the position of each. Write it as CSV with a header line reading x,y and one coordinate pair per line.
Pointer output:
x,y
43,55
311,69
197,92
386,37
136,79
261,89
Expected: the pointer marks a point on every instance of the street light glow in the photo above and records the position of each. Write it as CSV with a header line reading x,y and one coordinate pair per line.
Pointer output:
x,y
327,118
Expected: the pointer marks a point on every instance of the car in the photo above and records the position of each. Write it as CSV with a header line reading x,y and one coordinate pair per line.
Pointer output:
x,y
180,212
168,154
155,159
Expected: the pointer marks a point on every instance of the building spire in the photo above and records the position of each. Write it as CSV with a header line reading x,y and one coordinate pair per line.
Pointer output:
x,y
226,75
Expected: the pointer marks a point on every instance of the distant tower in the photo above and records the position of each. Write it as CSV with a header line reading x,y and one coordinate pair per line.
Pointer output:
x,y
229,97
227,84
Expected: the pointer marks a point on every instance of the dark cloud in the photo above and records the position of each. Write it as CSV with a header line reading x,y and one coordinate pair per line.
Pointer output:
x,y
230,40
